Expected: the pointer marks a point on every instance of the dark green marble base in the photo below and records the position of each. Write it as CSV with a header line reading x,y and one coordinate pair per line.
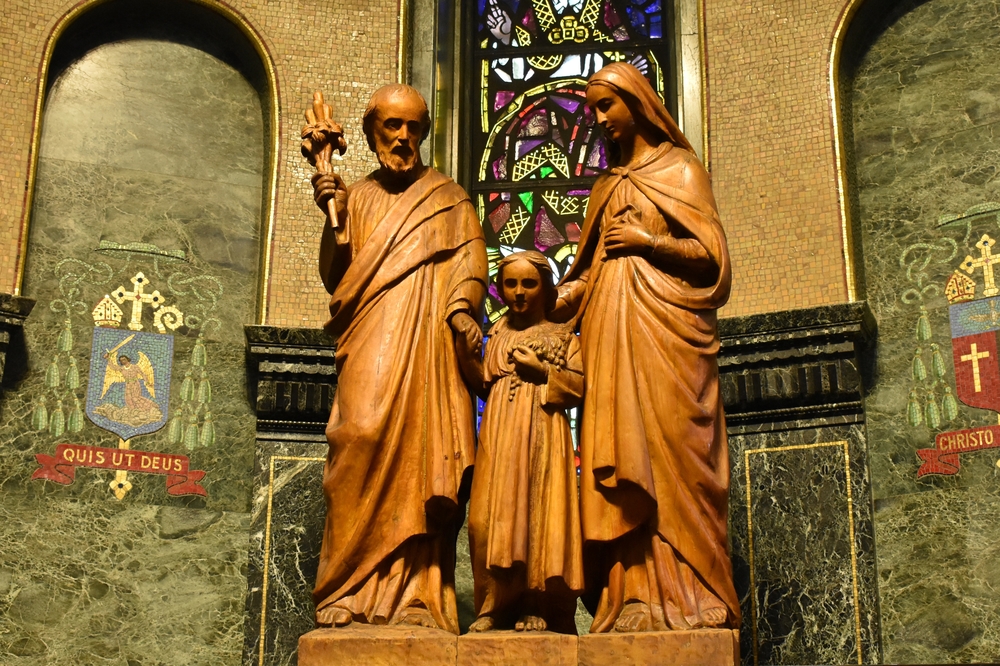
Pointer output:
x,y
803,547
800,508
286,533
119,583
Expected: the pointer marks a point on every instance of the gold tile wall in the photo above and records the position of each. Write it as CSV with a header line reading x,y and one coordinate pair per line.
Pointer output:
x,y
346,48
773,163
769,117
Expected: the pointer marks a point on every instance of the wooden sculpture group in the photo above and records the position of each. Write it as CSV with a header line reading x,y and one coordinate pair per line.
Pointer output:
x,y
629,333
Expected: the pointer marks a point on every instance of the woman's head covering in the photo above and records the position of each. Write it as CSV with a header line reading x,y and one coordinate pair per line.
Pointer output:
x,y
629,83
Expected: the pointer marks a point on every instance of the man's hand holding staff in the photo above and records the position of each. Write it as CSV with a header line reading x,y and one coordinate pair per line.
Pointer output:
x,y
319,138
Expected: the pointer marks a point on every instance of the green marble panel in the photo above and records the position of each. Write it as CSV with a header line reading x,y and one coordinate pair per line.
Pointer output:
x,y
925,100
151,161
119,583
803,558
923,107
939,575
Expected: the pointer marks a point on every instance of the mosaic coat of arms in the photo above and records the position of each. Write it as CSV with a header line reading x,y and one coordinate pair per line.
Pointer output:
x,y
128,395
974,315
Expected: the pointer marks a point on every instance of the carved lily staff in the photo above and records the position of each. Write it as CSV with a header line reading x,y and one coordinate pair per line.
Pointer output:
x,y
319,138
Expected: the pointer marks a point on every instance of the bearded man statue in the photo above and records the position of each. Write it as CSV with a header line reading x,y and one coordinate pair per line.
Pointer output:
x,y
405,263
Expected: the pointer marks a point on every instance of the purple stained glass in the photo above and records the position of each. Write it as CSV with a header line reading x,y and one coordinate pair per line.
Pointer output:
x,y
529,21
578,193
546,234
611,16
526,146
502,99
500,167
494,292
597,158
570,105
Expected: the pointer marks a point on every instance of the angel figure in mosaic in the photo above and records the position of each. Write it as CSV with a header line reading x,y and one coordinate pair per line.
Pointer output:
x,y
524,516
138,410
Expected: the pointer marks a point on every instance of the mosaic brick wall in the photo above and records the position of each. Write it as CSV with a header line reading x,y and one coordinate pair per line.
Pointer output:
x,y
347,49
770,122
771,151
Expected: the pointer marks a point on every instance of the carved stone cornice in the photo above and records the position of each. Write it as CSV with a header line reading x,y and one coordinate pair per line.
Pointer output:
x,y
292,377
795,368
13,355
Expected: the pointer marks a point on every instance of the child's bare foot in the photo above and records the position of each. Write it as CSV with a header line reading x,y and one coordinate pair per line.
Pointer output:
x,y
530,623
485,623
713,617
417,617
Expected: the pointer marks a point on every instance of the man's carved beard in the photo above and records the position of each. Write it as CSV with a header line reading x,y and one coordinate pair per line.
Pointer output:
x,y
398,166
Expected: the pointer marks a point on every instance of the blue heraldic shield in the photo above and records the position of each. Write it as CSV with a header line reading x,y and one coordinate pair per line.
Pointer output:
x,y
129,387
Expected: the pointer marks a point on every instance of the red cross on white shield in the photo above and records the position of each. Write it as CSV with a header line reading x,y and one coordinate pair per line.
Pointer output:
x,y
977,370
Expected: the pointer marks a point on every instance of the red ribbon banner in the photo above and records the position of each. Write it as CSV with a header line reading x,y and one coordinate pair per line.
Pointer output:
x,y
944,458
61,468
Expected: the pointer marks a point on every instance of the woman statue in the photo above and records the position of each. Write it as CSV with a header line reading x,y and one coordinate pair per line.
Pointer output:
x,y
651,270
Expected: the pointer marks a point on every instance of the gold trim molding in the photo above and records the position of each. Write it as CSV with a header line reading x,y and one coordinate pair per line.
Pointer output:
x,y
850,521
403,42
260,47
847,237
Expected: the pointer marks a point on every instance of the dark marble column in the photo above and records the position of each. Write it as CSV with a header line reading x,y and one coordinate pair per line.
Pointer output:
x,y
13,355
292,381
800,502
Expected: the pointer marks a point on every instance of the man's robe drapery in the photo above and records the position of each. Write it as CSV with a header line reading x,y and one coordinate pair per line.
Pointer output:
x,y
402,427
655,462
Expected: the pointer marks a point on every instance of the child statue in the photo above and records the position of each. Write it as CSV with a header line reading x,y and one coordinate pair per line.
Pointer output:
x,y
524,516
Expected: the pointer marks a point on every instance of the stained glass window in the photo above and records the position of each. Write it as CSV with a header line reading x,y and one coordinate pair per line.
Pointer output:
x,y
535,149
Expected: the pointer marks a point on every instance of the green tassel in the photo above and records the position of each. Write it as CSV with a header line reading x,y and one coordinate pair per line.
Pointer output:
x,y
52,374
923,326
57,422
176,431
40,415
204,388
937,361
933,413
191,434
72,376
187,387
65,341
919,370
948,405
75,423
208,431
913,415
198,356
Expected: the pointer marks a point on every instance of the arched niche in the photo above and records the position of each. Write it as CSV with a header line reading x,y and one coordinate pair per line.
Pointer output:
x,y
154,174
920,104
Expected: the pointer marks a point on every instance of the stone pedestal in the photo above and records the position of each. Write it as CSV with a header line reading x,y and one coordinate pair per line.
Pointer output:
x,y
701,647
365,645
517,648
